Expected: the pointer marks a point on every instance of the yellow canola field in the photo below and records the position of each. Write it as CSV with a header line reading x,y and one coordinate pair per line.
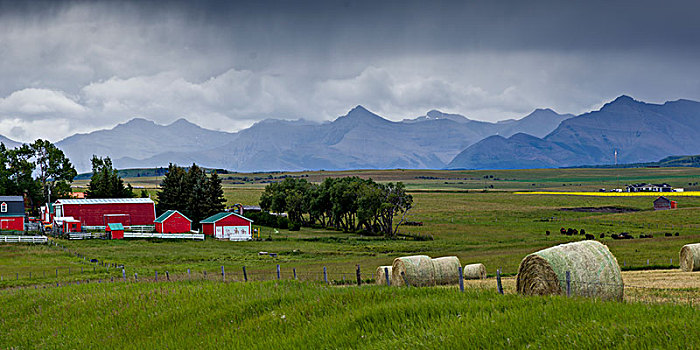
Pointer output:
x,y
618,194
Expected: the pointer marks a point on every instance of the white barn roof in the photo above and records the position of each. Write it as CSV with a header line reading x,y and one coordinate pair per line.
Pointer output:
x,y
105,201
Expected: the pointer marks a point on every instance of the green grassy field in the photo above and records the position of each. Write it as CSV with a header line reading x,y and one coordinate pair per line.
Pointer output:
x,y
297,315
495,226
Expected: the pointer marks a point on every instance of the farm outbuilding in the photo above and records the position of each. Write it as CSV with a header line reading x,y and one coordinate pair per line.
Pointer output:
x,y
100,212
230,226
115,230
47,213
172,221
12,213
66,224
663,203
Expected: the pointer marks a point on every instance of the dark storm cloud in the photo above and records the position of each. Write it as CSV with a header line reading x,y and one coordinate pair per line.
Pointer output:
x,y
227,64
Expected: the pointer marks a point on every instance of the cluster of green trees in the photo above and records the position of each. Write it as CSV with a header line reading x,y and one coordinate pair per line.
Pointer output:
x,y
191,192
106,183
350,203
39,171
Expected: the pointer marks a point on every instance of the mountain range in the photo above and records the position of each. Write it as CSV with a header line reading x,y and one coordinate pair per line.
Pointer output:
x,y
629,130
638,131
359,139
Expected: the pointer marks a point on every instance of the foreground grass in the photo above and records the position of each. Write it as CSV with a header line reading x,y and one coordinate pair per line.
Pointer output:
x,y
300,315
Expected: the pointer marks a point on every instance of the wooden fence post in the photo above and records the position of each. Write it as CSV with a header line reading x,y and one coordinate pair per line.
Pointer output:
x,y
359,276
403,275
136,276
156,276
245,275
568,283
386,275
295,272
167,276
325,275
223,274
189,276
461,280
278,272
498,281
124,274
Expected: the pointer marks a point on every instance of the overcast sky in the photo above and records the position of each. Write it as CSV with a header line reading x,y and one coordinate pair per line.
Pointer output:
x,y
69,67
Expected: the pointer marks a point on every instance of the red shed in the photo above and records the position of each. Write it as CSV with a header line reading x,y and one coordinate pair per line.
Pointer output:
x,y
172,221
663,203
12,213
230,226
96,212
66,224
115,230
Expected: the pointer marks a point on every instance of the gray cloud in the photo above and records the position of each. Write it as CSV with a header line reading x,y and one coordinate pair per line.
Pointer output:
x,y
77,66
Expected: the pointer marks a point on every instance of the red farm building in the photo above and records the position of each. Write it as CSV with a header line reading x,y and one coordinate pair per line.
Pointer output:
x,y
172,221
100,212
115,230
66,224
229,226
47,213
12,213
663,203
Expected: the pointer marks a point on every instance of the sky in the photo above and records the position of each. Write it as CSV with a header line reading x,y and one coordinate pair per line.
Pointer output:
x,y
78,66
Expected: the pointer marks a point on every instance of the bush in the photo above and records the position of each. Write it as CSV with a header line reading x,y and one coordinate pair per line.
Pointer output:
x,y
282,222
294,226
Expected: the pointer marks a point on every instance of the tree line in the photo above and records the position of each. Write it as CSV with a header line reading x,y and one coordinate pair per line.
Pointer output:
x,y
191,192
38,171
348,204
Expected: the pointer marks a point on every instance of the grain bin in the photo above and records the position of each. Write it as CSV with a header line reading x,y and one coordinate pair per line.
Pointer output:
x,y
474,271
594,271
418,270
690,257
446,270
381,276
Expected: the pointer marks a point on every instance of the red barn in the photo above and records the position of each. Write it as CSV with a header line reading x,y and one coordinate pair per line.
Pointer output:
x,y
12,213
230,226
115,231
100,212
172,221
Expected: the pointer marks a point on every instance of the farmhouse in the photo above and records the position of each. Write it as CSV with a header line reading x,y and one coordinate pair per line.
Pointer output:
x,y
663,203
115,230
230,226
100,212
12,213
172,221
644,187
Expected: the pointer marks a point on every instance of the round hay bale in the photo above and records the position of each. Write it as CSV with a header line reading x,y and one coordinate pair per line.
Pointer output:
x,y
474,272
594,271
690,257
446,270
418,269
381,276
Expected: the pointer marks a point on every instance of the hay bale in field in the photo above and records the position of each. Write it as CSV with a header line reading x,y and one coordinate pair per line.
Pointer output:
x,y
474,272
446,270
381,276
418,269
594,271
690,257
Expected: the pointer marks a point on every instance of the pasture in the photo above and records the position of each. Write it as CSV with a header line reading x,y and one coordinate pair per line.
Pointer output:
x,y
461,214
